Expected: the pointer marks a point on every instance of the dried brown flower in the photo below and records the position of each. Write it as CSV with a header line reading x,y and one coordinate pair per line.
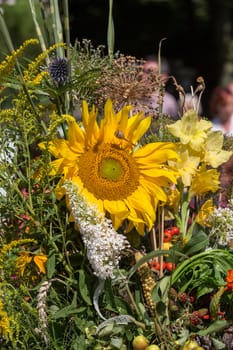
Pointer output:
x,y
126,83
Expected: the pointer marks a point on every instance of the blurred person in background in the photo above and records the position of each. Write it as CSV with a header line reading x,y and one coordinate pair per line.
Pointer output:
x,y
170,105
221,109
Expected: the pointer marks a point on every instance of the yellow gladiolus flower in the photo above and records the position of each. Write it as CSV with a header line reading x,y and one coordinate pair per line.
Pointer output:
x,y
205,212
102,160
191,130
214,154
206,180
187,164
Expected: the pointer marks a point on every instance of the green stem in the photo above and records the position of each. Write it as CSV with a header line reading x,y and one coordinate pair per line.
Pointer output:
x,y
38,29
68,95
111,31
57,27
132,300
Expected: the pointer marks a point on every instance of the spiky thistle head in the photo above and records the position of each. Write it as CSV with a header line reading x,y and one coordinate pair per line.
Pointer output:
x,y
58,70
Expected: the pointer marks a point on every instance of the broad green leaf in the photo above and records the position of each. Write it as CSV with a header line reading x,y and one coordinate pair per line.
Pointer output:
x,y
83,287
214,327
68,310
218,344
197,242
117,343
51,264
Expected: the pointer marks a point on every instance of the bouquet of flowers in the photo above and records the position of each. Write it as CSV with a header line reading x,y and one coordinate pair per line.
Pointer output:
x,y
112,236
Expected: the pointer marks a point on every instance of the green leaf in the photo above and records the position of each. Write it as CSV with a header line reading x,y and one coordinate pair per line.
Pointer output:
x,y
122,306
161,308
68,310
198,242
117,343
218,344
151,255
160,291
83,287
51,264
214,327
111,32
106,330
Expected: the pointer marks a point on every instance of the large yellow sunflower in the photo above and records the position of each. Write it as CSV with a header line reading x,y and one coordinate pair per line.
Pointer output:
x,y
110,170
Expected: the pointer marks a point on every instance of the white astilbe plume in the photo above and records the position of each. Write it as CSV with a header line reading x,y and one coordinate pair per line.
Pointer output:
x,y
103,244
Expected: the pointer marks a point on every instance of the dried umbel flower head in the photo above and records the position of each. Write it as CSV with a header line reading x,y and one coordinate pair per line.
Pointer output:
x,y
126,83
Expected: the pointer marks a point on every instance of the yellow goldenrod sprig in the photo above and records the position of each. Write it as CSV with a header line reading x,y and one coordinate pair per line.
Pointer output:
x,y
9,62
32,68
5,321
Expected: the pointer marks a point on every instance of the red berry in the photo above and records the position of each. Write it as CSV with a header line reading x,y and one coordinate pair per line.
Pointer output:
x,y
167,237
168,230
164,265
191,299
175,230
206,317
154,265
170,266
183,297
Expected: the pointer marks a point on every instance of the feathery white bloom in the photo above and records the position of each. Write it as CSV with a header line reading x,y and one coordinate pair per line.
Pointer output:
x,y
104,245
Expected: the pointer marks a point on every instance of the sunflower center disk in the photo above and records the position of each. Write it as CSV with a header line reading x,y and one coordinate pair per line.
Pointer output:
x,y
109,173
111,169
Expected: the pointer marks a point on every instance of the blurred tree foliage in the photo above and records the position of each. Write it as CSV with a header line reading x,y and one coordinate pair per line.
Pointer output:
x,y
20,24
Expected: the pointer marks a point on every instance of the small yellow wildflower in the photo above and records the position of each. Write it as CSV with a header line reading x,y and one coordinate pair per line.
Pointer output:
x,y
26,258
40,261
22,261
205,212
6,248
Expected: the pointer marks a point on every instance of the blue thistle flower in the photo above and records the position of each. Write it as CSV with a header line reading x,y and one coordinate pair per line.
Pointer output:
x,y
58,70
